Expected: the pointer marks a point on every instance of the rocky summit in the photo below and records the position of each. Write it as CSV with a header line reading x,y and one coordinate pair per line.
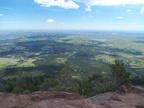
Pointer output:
x,y
122,98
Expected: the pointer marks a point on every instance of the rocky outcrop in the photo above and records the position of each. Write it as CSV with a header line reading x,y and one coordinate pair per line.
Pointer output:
x,y
127,98
37,96
137,90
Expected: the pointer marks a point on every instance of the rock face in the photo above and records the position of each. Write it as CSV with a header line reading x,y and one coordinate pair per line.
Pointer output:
x,y
130,98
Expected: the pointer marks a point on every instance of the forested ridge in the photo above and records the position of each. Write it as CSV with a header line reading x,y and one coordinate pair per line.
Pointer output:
x,y
65,82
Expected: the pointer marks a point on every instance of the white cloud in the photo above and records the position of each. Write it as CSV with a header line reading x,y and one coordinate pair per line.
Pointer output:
x,y
88,8
119,17
128,10
50,20
142,10
111,2
61,3
1,14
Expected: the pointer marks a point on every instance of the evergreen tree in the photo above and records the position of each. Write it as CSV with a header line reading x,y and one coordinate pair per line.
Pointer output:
x,y
65,80
48,85
120,73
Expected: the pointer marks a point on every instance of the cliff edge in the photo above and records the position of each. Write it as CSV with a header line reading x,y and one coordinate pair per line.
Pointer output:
x,y
122,98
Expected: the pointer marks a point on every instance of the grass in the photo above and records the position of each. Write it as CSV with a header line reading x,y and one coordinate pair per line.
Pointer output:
x,y
27,63
104,58
5,62
60,60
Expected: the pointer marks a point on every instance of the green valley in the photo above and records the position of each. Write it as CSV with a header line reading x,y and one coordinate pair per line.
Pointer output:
x,y
39,52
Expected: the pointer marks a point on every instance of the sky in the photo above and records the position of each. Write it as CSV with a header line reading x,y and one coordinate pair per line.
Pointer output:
x,y
72,14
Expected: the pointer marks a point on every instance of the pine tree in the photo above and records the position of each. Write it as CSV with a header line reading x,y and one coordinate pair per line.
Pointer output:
x,y
65,80
120,73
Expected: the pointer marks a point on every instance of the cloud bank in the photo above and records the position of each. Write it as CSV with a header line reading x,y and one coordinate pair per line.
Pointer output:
x,y
72,4
111,2
60,3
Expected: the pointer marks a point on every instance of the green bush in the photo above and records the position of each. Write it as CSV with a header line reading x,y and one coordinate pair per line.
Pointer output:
x,y
26,92
17,90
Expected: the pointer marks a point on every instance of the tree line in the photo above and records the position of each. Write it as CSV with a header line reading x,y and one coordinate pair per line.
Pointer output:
x,y
64,82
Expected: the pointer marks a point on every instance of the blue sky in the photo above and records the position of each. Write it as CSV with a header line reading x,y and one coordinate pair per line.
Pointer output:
x,y
72,14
